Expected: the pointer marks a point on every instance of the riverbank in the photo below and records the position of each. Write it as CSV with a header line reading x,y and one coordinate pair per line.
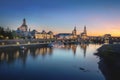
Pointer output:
x,y
15,46
110,52
109,63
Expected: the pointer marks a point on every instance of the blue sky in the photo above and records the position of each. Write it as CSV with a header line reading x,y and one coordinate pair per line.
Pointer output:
x,y
100,16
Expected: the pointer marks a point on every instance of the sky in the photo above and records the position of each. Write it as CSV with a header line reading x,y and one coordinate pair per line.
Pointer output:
x,y
61,16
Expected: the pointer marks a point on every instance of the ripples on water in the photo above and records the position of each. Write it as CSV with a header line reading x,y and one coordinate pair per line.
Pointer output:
x,y
71,62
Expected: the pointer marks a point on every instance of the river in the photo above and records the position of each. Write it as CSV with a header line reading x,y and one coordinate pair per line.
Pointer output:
x,y
69,62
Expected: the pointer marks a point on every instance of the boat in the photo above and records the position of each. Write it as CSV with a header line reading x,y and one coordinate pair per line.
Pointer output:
x,y
51,45
23,47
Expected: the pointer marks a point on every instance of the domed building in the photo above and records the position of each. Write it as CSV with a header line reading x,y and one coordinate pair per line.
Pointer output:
x,y
23,27
22,30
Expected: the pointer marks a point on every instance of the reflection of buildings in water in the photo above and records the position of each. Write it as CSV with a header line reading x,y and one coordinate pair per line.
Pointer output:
x,y
2,55
23,56
68,47
72,47
84,47
32,52
11,55
45,51
17,54
50,51
40,51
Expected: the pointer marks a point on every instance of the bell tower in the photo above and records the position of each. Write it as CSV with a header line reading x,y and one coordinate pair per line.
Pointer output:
x,y
74,32
85,31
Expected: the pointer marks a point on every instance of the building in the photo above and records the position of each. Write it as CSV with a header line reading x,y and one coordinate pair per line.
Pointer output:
x,y
83,35
107,38
44,35
22,30
64,36
74,32
23,27
72,35
50,35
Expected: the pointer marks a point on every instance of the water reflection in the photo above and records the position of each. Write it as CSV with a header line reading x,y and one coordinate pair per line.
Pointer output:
x,y
10,55
57,63
84,47
41,51
72,47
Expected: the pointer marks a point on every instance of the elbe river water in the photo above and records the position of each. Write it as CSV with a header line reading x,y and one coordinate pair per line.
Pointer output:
x,y
69,62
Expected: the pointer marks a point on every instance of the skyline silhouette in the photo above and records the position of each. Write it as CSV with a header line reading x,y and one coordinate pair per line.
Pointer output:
x,y
100,17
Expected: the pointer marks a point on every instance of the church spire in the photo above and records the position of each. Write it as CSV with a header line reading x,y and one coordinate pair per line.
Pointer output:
x,y
75,31
85,31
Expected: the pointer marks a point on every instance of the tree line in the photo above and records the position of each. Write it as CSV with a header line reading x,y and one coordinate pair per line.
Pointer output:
x,y
6,33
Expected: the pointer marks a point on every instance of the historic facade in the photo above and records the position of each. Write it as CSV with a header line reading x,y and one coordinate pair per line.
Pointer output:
x,y
44,35
23,32
72,35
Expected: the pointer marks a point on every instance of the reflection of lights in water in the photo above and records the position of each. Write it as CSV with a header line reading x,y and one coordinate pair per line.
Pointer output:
x,y
28,51
73,47
57,44
7,57
41,50
17,54
2,56
84,47
37,51
22,51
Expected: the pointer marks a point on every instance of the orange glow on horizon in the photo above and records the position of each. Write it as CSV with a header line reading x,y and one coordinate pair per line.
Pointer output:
x,y
91,31
94,33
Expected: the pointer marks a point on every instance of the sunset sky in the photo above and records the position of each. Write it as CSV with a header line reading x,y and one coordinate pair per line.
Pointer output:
x,y
99,16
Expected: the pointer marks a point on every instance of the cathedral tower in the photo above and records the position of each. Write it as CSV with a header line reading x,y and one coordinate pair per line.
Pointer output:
x,y
85,31
74,32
